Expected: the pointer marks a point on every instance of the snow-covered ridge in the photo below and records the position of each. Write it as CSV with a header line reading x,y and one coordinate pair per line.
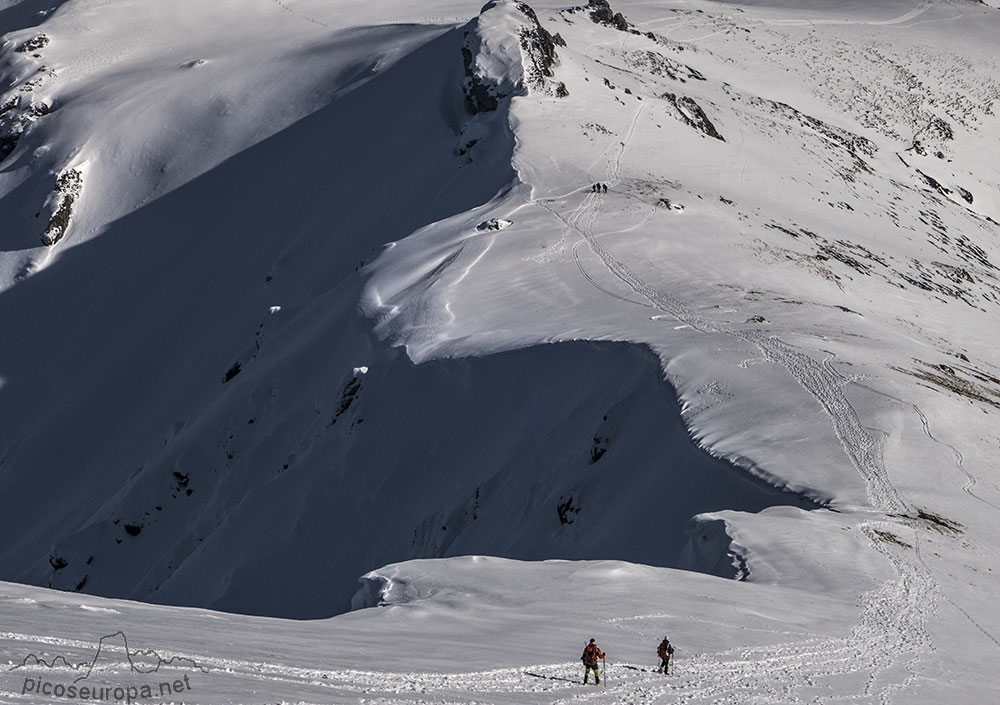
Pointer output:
x,y
506,52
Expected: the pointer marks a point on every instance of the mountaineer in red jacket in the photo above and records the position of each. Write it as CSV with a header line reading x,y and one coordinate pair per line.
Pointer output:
x,y
591,655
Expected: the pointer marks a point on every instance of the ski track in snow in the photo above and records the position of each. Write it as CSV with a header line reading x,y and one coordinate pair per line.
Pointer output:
x,y
285,7
891,637
917,10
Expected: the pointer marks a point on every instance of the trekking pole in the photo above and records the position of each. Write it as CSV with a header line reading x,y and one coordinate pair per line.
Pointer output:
x,y
605,672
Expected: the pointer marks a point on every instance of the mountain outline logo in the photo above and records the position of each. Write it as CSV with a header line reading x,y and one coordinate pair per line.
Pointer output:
x,y
143,662
130,656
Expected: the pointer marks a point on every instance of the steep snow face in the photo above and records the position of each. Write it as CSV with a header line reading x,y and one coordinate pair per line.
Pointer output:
x,y
143,103
140,347
214,371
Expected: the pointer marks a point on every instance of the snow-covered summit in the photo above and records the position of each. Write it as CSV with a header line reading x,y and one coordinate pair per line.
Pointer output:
x,y
506,51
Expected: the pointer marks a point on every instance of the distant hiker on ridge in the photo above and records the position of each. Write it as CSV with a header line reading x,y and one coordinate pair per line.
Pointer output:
x,y
591,654
604,187
664,651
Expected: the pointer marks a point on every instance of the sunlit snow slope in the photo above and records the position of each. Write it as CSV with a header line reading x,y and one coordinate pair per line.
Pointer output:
x,y
294,290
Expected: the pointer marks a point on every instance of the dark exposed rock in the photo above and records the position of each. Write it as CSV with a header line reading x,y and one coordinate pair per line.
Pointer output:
x,y
493,224
567,510
10,133
69,186
9,104
34,44
693,115
934,183
8,143
540,47
348,395
232,372
601,13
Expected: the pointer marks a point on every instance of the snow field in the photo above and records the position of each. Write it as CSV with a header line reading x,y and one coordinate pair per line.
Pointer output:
x,y
786,229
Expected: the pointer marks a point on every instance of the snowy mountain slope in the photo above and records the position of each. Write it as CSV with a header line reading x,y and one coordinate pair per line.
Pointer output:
x,y
488,630
175,457
800,225
896,282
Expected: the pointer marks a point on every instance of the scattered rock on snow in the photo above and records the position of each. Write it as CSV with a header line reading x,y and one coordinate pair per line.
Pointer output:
x,y
494,224
656,64
963,380
34,44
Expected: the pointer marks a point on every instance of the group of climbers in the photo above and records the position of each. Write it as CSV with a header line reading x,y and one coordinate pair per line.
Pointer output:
x,y
592,656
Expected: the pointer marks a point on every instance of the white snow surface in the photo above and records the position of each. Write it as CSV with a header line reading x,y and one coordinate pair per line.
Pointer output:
x,y
282,309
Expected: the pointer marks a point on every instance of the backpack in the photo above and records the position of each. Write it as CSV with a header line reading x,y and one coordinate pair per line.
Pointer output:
x,y
589,654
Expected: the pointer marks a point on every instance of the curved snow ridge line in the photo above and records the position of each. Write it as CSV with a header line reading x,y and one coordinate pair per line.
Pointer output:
x,y
821,382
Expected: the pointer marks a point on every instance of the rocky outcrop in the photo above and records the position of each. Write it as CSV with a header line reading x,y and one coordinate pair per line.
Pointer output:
x,y
34,44
539,48
692,114
21,105
501,63
69,186
601,13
